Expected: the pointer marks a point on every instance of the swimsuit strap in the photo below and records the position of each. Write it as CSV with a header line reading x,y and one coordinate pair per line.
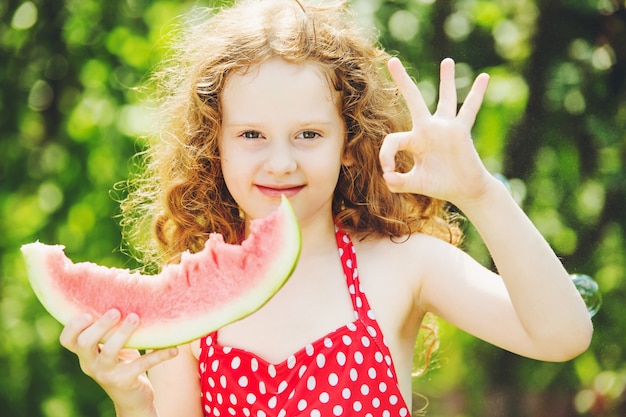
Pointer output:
x,y
362,309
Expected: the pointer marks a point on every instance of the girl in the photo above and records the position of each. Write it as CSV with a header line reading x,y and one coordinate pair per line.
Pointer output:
x,y
273,97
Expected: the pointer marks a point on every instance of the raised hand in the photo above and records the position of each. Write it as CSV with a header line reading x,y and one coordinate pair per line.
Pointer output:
x,y
120,372
446,164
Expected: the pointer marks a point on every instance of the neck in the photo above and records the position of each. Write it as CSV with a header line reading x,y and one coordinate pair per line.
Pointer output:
x,y
318,236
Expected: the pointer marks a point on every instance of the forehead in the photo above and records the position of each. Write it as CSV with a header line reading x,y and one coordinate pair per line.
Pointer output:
x,y
278,76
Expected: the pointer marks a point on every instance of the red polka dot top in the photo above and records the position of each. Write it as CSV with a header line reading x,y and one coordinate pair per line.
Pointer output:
x,y
348,372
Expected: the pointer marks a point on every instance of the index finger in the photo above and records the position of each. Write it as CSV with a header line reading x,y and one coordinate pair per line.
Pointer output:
x,y
408,89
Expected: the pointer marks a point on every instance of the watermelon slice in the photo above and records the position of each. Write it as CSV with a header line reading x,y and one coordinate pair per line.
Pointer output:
x,y
206,290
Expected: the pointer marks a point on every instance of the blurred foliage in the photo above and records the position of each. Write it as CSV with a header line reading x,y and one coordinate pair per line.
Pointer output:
x,y
554,124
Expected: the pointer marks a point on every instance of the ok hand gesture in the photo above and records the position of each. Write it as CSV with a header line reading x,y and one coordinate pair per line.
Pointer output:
x,y
446,164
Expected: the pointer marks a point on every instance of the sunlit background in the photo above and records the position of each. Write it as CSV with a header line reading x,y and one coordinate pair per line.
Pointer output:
x,y
553,125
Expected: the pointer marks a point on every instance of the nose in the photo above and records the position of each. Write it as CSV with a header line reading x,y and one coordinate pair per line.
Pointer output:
x,y
281,158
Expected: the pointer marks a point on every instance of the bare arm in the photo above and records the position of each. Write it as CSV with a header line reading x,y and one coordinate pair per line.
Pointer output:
x,y
533,309
177,386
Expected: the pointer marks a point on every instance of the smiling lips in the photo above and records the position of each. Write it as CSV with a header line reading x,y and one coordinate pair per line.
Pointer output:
x,y
278,190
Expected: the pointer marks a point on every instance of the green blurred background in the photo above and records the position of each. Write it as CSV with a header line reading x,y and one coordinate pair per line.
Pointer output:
x,y
554,123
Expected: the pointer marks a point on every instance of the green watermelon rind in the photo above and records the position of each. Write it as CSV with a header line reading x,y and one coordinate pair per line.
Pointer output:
x,y
169,332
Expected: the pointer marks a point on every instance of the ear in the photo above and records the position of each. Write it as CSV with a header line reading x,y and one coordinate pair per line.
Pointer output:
x,y
346,158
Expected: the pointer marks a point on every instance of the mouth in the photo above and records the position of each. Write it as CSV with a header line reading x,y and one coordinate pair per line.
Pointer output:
x,y
278,190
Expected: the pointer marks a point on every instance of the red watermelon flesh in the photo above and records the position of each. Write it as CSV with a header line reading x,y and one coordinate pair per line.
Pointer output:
x,y
206,290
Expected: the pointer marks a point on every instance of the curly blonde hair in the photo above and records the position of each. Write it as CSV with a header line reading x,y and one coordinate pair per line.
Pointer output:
x,y
182,190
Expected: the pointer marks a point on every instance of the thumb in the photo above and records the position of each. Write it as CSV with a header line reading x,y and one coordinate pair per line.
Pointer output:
x,y
398,182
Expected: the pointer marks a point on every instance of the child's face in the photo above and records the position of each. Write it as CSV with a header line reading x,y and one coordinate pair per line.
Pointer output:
x,y
281,134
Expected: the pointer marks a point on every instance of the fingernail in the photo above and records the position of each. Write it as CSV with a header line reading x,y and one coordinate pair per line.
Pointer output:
x,y
132,318
113,314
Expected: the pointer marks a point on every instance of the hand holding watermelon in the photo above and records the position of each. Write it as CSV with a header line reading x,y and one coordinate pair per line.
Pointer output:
x,y
120,372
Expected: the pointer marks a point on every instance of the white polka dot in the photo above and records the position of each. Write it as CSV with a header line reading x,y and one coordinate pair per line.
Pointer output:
x,y
327,342
376,402
382,387
209,396
324,397
345,239
291,362
309,349
223,381
370,314
219,398
235,363
404,412
301,371
393,399
262,389
211,382
254,365
251,398
358,357
349,263
211,351
357,406
272,402
333,379
341,358
359,302
351,326
365,341
243,381
302,404
282,413
311,383
354,375
372,373
378,357
246,412
202,367
261,413
227,349
347,340
214,365
271,370
337,410
233,399
345,393
216,411
351,289
371,331
321,360
386,413
388,360
315,413
231,411
282,387
365,389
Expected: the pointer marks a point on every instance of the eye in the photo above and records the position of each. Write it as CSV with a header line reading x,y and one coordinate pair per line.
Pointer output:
x,y
251,134
308,134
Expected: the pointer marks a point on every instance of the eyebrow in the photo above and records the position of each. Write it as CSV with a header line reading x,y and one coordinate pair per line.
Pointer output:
x,y
237,123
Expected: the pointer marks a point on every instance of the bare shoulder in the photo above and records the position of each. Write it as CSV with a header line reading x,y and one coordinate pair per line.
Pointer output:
x,y
393,271
410,255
